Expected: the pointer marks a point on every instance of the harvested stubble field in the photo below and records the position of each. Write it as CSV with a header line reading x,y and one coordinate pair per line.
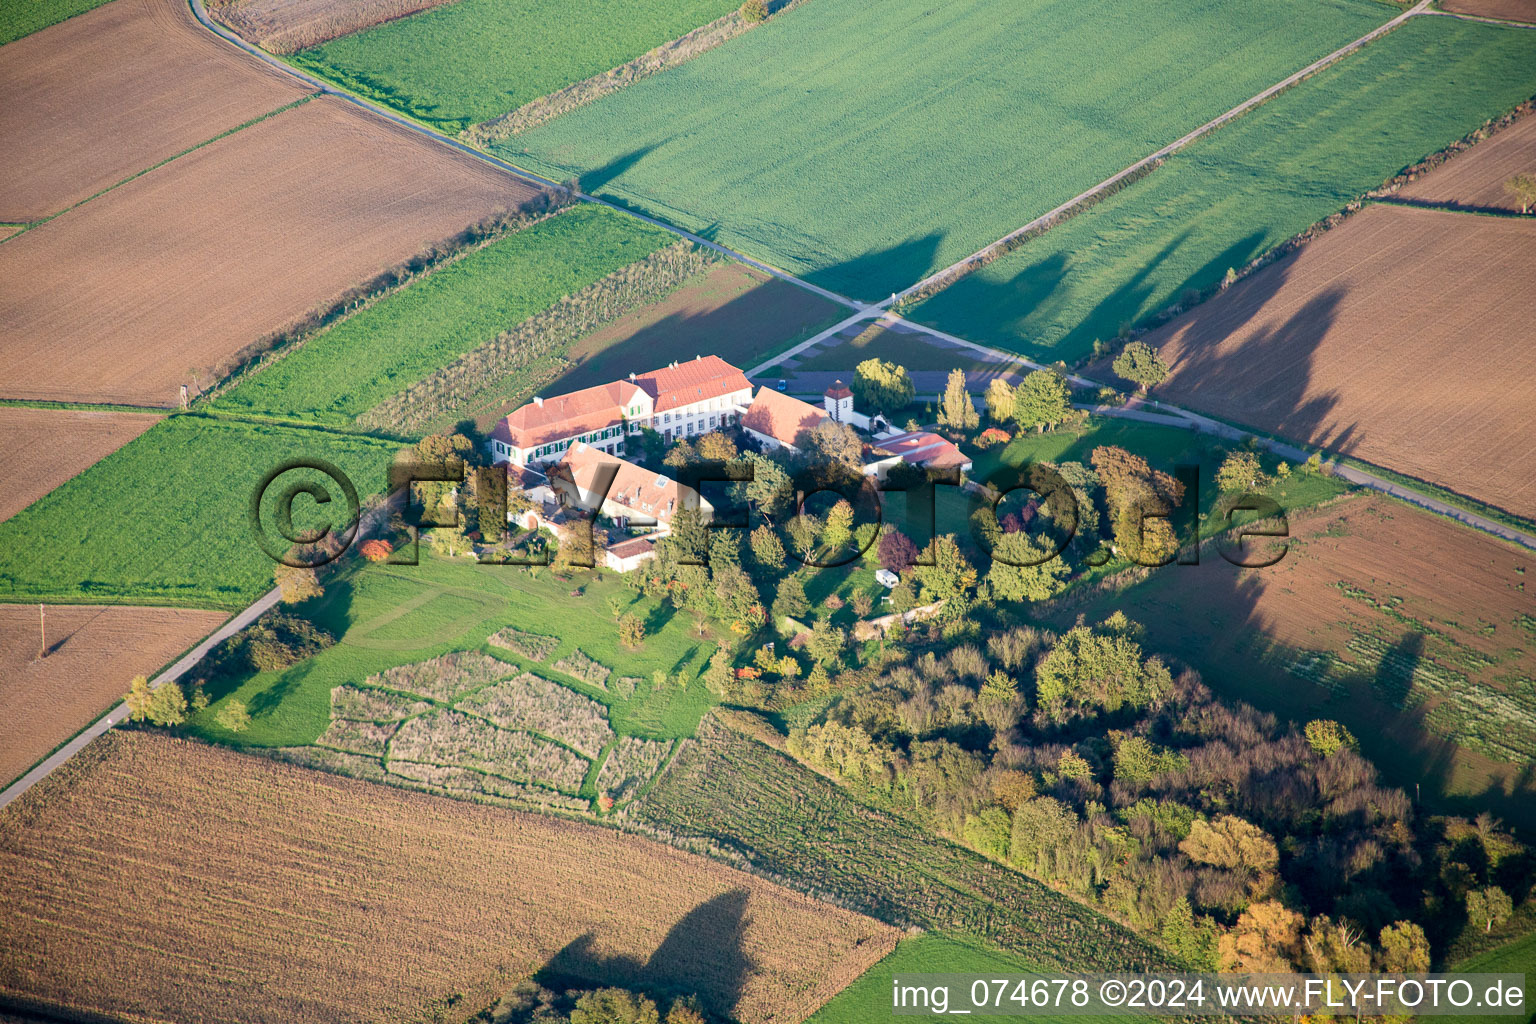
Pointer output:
x,y
381,350
93,652
476,59
234,241
725,791
1476,178
1507,10
1400,337
286,26
1243,190
269,893
115,91
735,311
1056,96
1416,633
42,448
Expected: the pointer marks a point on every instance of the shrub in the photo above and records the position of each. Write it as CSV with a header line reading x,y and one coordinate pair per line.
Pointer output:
x,y
376,550
754,11
234,716
632,631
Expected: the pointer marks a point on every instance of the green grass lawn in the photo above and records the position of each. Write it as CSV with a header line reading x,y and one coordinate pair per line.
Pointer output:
x,y
388,346
24,17
1239,192
868,1000
390,615
165,518
863,145
1516,957
470,61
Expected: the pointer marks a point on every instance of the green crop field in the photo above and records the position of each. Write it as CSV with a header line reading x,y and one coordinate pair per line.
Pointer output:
x,y
388,615
470,61
1244,189
390,345
868,1000
28,16
864,145
165,519
814,836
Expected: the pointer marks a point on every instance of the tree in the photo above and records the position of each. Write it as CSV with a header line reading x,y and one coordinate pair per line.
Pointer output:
x,y
1191,940
789,600
1040,825
1232,843
897,552
1087,669
1239,473
165,705
1488,907
297,583
956,410
1021,582
632,631
998,688
863,604
680,454
950,577
1328,737
770,490
803,531
614,1006
234,716
767,548
832,442
1403,949
882,387
1000,399
715,446
1523,188
1042,400
1334,947
1264,940
1140,364
839,528
826,642
719,673
752,12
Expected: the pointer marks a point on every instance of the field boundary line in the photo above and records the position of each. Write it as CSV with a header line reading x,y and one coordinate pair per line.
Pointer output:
x,y
119,714
327,89
1045,221
1478,17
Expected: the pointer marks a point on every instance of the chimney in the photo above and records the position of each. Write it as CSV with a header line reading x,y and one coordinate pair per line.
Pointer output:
x,y
538,401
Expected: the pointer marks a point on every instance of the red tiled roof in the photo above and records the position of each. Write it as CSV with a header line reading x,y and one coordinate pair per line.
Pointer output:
x,y
922,448
839,390
562,416
647,493
780,416
632,547
693,381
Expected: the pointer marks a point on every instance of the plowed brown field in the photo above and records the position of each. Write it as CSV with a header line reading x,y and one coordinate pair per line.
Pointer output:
x,y
287,26
99,97
93,652
1476,178
270,893
42,448
127,297
1507,10
1401,337
1417,633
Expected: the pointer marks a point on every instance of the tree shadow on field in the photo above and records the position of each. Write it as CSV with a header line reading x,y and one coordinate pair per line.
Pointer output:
x,y
874,275
701,955
593,181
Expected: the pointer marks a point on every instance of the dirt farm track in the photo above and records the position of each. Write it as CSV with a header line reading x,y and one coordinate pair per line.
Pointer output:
x,y
114,91
190,263
271,893
1401,337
